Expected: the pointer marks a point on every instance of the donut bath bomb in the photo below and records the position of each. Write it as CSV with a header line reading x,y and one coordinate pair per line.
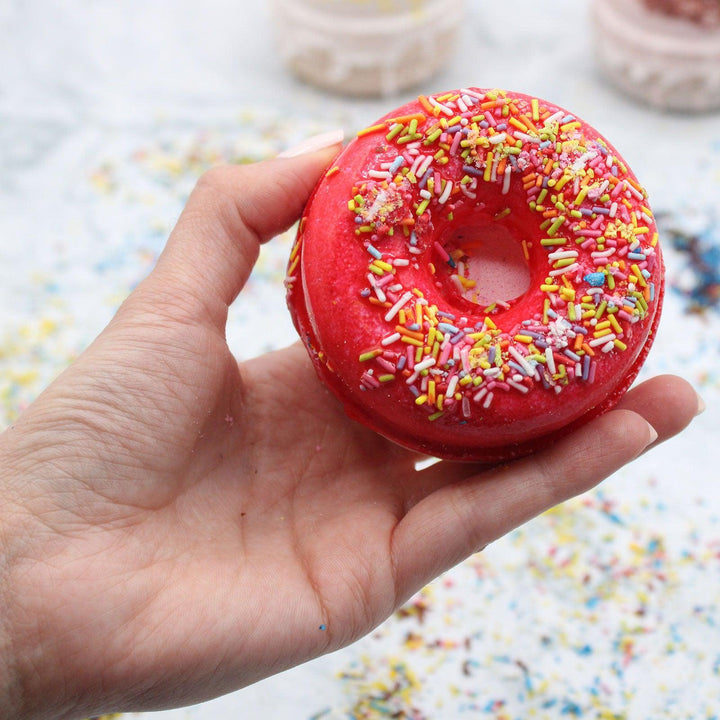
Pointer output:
x,y
477,274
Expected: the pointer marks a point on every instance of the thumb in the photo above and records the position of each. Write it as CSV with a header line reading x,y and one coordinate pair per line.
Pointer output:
x,y
231,211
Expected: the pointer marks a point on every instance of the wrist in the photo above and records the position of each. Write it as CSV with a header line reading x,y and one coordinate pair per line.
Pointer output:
x,y
9,681
17,626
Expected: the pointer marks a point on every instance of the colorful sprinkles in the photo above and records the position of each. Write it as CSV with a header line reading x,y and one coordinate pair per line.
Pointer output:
x,y
599,243
696,237
590,611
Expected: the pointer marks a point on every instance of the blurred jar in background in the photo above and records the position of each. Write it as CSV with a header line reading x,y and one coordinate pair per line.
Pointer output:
x,y
366,47
665,53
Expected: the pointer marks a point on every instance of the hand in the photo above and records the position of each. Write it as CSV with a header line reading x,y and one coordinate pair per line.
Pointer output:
x,y
176,525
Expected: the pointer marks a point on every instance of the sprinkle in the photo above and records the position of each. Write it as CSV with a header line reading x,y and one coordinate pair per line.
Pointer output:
x,y
371,129
371,355
393,311
596,279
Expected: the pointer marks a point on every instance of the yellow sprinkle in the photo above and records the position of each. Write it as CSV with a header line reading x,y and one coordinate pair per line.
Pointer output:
x,y
412,341
567,127
385,266
535,109
562,182
371,129
488,167
638,273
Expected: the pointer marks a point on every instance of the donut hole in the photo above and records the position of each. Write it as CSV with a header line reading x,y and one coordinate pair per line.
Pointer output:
x,y
484,263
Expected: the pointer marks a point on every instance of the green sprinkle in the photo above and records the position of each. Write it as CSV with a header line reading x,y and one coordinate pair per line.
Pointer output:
x,y
370,355
559,222
394,131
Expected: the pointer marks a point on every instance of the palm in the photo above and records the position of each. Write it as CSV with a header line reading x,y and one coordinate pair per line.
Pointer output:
x,y
246,493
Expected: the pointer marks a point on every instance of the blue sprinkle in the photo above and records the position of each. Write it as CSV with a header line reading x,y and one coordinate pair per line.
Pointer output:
x,y
423,181
322,627
397,164
585,367
596,279
374,252
471,170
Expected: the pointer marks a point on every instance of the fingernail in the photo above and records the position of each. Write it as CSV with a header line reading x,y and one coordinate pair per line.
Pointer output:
x,y
315,143
653,435
700,405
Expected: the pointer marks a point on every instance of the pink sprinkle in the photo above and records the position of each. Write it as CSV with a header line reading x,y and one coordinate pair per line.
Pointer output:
x,y
410,358
455,143
369,380
441,251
